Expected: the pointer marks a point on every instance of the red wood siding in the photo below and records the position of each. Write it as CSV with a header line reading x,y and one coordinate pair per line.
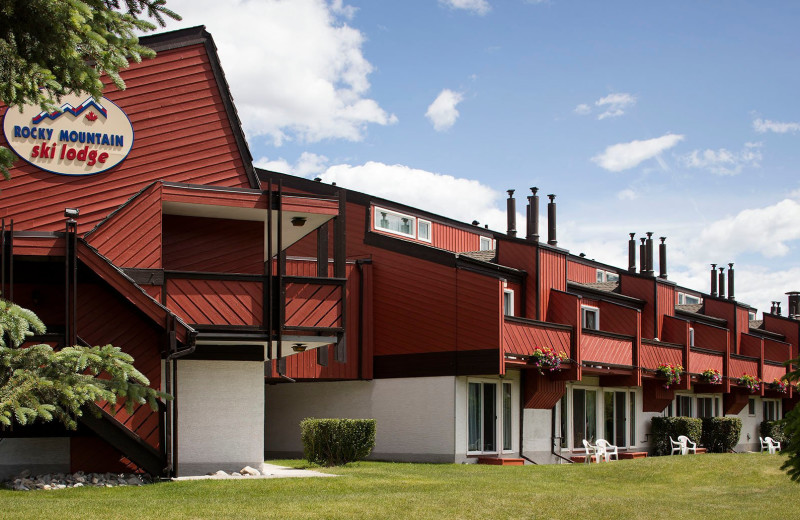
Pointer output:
x,y
208,196
517,288
213,245
581,273
552,275
750,346
642,288
771,372
666,303
521,256
542,392
777,350
708,337
305,366
132,236
102,318
454,239
310,304
479,308
523,339
182,134
606,350
216,302
789,328
700,361
38,246
564,308
740,367
675,330
653,355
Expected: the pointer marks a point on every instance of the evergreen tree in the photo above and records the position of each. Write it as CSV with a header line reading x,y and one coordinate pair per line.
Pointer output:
x,y
791,429
40,384
49,48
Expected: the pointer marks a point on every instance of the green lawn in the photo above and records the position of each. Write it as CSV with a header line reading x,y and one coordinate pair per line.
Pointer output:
x,y
740,486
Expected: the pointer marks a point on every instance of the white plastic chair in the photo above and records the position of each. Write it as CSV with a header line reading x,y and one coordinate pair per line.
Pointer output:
x,y
764,444
687,445
772,445
606,449
677,447
591,450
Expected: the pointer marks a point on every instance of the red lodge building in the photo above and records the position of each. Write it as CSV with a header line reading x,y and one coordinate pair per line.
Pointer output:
x,y
258,298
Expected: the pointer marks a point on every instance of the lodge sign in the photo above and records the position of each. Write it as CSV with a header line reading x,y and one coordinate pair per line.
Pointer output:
x,y
85,137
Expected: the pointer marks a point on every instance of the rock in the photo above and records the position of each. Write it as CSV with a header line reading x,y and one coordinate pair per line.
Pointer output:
x,y
25,473
78,484
236,474
61,486
47,486
221,473
134,481
251,472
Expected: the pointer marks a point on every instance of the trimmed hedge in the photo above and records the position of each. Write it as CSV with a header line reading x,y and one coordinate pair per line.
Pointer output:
x,y
775,430
721,434
333,442
665,427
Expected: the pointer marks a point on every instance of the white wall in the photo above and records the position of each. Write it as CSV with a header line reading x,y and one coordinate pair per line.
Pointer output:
x,y
39,455
415,417
220,415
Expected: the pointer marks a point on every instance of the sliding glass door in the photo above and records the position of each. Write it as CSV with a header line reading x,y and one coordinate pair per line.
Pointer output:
x,y
482,421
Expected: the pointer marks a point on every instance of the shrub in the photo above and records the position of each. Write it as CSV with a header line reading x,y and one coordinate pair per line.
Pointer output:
x,y
332,442
721,434
775,430
665,427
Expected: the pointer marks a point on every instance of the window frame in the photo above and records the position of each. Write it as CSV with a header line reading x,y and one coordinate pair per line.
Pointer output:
x,y
487,240
420,222
682,296
590,309
377,210
506,310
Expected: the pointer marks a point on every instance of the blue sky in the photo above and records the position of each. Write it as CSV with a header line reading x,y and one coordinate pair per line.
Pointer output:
x,y
676,117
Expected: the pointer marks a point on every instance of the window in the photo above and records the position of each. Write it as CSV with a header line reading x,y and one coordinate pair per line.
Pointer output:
x,y
632,418
424,230
564,423
705,407
751,407
751,315
606,276
688,299
506,416
394,222
683,406
482,421
691,336
590,317
584,416
614,417
486,244
772,411
508,302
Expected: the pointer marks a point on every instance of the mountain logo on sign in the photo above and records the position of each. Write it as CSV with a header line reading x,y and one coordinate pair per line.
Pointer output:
x,y
68,108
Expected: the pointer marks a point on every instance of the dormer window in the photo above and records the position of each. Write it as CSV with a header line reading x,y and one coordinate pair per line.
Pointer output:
x,y
401,224
606,276
486,244
688,299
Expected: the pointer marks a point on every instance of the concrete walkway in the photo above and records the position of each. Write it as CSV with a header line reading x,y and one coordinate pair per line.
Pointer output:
x,y
266,470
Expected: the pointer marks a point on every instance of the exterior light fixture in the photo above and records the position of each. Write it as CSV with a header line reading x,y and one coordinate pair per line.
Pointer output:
x,y
71,212
299,347
298,221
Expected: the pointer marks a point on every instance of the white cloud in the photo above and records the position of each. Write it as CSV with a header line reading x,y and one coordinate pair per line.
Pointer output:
x,y
583,109
624,156
765,125
296,69
442,112
627,194
614,105
307,165
764,231
480,7
723,161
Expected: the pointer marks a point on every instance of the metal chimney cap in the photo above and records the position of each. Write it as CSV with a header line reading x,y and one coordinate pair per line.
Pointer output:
x,y
510,193
649,234
552,197
632,235
534,190
663,239
793,293
721,269
730,265
713,266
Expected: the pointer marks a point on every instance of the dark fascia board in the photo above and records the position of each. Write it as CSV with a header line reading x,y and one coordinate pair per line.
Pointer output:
x,y
594,263
745,358
489,268
199,35
546,324
767,334
621,299
702,318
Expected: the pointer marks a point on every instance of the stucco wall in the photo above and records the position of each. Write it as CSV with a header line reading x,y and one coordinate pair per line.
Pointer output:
x,y
415,416
40,455
220,415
